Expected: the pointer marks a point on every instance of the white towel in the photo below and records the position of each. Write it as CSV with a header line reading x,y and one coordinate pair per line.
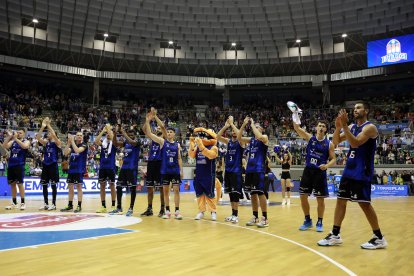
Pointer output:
x,y
105,145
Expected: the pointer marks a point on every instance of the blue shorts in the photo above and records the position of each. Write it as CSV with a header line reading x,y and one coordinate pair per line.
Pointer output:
x,y
354,190
254,182
233,182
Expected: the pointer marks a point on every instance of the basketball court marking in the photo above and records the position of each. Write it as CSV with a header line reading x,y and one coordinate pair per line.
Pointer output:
x,y
124,231
335,263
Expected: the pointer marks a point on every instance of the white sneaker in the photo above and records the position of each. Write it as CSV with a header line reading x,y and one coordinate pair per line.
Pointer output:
x,y
44,207
229,218
51,207
235,219
199,216
263,223
375,243
213,216
167,215
288,201
283,201
330,240
252,222
22,206
12,206
178,215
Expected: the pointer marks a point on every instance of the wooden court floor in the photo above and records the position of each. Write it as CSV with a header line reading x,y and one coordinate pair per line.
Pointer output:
x,y
189,247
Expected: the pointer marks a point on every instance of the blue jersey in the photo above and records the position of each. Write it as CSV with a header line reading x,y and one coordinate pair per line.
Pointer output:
x,y
50,153
169,163
107,160
234,157
155,152
131,156
317,152
257,156
17,155
77,161
360,160
205,167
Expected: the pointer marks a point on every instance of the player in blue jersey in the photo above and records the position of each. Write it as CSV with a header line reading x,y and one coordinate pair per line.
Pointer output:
x,y
153,179
77,151
255,170
106,166
320,155
128,175
18,147
203,148
233,168
171,167
355,183
50,170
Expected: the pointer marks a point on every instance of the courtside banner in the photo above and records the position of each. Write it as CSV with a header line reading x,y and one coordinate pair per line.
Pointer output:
x,y
32,186
389,190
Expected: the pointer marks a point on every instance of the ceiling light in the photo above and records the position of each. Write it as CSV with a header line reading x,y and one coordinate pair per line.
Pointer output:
x,y
35,20
106,35
233,44
170,42
344,35
298,40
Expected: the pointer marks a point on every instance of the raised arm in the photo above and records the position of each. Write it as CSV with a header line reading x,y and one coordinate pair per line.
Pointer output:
x,y
193,149
40,133
243,140
301,132
75,148
128,139
259,136
338,137
369,131
220,133
152,136
53,134
99,137
23,145
159,122
8,141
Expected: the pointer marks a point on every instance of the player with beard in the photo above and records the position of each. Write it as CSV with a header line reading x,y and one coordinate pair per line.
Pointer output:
x,y
355,183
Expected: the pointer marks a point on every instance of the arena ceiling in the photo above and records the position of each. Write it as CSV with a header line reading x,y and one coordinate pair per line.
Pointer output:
x,y
266,34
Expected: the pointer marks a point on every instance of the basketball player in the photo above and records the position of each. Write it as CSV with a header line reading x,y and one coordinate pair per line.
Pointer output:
x,y
233,168
128,175
153,179
106,166
18,147
77,150
355,183
203,148
50,170
318,151
171,167
285,179
255,170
